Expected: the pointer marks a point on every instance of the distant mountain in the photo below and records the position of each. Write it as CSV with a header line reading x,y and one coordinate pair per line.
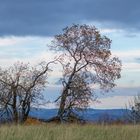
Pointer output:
x,y
89,115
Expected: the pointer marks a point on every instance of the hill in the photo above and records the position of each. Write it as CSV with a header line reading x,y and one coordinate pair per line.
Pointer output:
x,y
92,115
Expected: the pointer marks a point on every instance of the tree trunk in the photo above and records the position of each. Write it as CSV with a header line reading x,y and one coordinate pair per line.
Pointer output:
x,y
62,104
25,111
15,112
65,94
63,99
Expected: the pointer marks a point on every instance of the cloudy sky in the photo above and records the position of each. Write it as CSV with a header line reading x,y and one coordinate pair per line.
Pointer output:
x,y
27,26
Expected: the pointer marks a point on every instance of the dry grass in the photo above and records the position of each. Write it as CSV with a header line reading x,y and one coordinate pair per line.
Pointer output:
x,y
32,121
69,132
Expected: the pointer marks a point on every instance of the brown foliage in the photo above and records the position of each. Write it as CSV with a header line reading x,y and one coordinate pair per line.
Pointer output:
x,y
86,60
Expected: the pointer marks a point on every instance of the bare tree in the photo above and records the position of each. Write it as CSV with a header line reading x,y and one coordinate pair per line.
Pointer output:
x,y
133,113
86,60
20,87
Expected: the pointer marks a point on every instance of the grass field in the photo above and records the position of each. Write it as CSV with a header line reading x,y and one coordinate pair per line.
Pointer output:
x,y
69,132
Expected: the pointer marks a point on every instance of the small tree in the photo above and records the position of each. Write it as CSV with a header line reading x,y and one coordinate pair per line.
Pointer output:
x,y
20,87
133,114
86,60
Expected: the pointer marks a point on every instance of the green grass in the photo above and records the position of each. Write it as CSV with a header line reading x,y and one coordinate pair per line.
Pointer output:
x,y
69,132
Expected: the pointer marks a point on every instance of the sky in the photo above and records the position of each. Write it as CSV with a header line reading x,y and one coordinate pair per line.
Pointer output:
x,y
28,26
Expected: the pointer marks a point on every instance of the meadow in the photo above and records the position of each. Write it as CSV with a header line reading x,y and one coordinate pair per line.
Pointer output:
x,y
70,132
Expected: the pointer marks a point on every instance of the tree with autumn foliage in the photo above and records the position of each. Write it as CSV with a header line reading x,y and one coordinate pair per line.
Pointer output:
x,y
86,61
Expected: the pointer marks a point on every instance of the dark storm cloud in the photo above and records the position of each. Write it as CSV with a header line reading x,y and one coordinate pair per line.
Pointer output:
x,y
48,17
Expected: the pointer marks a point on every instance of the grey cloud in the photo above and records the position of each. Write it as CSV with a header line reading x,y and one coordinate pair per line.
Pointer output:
x,y
48,17
137,60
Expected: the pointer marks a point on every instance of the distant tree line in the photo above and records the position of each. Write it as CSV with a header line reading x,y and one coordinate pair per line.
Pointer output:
x,y
86,61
